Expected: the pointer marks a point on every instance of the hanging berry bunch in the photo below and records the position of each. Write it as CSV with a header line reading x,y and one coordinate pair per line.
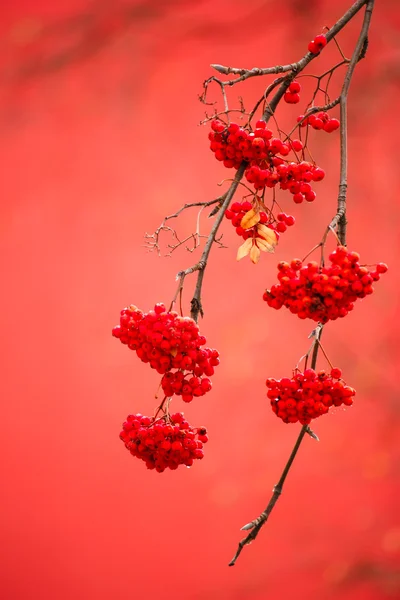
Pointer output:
x,y
165,442
308,395
323,293
264,155
172,345
318,121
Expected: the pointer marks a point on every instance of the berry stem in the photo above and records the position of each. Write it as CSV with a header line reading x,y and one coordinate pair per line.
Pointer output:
x,y
161,407
325,354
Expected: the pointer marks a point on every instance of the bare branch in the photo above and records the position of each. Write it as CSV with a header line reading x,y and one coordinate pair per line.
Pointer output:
x,y
152,239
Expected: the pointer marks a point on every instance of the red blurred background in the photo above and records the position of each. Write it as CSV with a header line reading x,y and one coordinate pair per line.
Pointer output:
x,y
99,118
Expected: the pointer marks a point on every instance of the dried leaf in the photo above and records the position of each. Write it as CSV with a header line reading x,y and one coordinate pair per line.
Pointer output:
x,y
251,218
255,254
268,234
173,351
264,246
244,249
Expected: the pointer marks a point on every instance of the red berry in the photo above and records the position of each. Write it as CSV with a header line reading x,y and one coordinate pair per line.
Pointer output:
x,y
381,267
290,220
281,227
317,44
320,40
336,373
291,98
313,47
217,126
294,87
331,125
297,145
298,198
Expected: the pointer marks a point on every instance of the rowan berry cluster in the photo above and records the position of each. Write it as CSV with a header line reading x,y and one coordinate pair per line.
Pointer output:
x,y
237,212
323,293
167,341
233,144
308,395
320,120
317,44
165,442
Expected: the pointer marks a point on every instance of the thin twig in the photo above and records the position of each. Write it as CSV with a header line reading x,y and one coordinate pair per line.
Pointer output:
x,y
152,239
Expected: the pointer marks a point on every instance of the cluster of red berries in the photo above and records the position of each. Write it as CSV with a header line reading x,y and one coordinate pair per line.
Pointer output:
x,y
294,177
320,120
317,44
167,341
308,395
323,294
233,144
238,210
292,95
162,443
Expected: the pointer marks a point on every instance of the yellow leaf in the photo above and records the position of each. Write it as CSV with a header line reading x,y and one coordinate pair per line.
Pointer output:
x,y
251,218
173,351
244,249
268,234
264,246
255,254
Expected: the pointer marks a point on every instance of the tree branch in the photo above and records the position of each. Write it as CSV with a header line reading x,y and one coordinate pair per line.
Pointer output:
x,y
339,220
